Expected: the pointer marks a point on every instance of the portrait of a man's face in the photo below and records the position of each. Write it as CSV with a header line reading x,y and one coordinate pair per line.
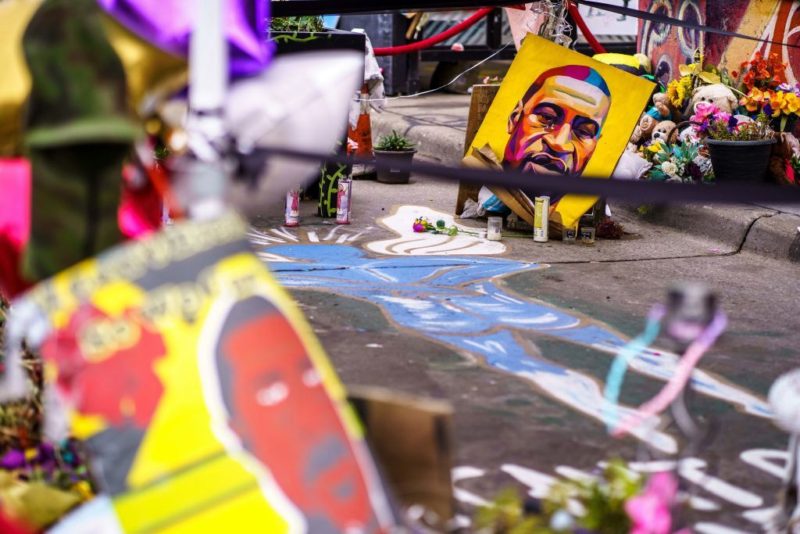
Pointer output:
x,y
556,126
557,113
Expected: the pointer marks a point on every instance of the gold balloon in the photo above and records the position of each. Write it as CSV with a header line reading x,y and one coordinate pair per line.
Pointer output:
x,y
152,74
14,18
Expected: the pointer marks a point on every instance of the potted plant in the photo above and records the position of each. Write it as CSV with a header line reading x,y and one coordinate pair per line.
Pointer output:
x,y
391,149
740,149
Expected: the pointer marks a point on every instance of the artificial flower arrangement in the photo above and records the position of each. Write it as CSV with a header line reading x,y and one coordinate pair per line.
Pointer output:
x,y
733,128
679,91
680,162
762,83
760,73
617,500
781,105
709,121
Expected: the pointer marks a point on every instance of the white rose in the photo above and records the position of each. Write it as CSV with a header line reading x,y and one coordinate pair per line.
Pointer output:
x,y
669,168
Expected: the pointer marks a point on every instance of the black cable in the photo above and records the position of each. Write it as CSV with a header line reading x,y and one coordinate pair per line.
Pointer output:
x,y
295,8
654,17
640,191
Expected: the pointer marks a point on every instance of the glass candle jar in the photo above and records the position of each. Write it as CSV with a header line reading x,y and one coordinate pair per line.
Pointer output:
x,y
494,228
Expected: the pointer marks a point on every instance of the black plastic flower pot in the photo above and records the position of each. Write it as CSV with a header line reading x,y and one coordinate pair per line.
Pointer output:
x,y
387,159
740,161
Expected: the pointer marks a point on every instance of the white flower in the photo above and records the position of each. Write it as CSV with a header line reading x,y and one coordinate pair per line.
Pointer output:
x,y
704,163
669,168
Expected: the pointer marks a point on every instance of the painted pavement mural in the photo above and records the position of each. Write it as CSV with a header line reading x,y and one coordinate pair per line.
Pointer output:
x,y
448,290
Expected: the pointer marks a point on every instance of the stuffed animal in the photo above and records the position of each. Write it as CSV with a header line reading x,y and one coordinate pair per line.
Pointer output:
x,y
688,136
666,131
717,94
643,130
660,109
780,160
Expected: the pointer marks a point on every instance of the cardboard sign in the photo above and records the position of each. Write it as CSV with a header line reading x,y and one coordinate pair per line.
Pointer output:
x,y
558,112
204,398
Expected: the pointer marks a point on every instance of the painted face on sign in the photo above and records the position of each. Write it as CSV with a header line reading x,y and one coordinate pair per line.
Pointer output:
x,y
285,418
556,127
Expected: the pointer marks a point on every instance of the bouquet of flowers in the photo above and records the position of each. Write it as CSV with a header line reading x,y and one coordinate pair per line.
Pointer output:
x,y
706,114
615,500
422,224
735,129
781,105
761,73
681,162
679,91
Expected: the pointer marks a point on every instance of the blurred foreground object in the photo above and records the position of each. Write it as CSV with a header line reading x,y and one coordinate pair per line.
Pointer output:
x,y
412,441
194,379
77,134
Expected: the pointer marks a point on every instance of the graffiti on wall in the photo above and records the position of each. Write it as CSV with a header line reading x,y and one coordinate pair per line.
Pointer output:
x,y
773,20
668,47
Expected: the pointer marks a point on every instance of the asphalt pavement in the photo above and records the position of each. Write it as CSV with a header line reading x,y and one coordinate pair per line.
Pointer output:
x,y
437,123
519,336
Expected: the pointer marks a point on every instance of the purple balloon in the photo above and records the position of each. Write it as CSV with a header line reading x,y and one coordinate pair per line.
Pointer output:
x,y
168,24
13,459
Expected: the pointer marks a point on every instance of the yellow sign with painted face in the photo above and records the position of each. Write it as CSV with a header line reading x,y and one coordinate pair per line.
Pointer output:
x,y
559,112
203,396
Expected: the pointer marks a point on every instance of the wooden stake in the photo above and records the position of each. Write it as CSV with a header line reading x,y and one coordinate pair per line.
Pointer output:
x,y
482,98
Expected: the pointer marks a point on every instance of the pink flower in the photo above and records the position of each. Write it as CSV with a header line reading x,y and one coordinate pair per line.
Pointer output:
x,y
650,512
722,116
703,111
419,228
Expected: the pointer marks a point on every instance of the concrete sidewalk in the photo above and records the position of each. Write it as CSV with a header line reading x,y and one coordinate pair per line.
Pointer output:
x,y
437,123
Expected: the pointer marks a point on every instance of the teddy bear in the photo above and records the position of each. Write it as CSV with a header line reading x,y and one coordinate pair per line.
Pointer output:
x,y
643,130
660,109
666,131
717,94
779,161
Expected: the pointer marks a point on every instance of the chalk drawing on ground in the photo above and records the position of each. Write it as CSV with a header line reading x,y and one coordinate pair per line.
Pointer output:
x,y
410,243
463,303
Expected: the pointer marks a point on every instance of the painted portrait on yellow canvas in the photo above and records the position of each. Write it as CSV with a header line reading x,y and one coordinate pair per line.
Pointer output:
x,y
558,112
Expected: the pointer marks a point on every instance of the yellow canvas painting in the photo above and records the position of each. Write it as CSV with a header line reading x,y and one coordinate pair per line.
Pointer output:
x,y
558,112
201,393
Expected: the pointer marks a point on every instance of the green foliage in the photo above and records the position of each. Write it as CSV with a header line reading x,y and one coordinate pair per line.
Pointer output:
x,y
506,515
678,162
296,24
758,129
161,152
603,498
394,142
795,162
596,504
